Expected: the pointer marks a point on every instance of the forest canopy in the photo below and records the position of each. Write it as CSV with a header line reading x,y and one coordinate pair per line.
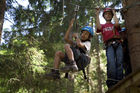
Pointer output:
x,y
37,32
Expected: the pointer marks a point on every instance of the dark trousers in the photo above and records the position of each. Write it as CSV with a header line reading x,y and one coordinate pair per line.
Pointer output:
x,y
114,53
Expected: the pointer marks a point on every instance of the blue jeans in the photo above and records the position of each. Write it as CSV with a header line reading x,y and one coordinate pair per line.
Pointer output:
x,y
114,64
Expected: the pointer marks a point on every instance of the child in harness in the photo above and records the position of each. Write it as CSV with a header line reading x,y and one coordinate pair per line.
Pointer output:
x,y
112,41
76,56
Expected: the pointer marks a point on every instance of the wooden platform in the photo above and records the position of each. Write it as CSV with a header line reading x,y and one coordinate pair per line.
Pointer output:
x,y
130,84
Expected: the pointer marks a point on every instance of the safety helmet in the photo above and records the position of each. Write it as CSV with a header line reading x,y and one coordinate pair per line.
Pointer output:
x,y
123,29
89,29
108,10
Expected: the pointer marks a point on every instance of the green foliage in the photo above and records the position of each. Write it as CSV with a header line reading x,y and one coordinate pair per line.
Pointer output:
x,y
20,67
35,36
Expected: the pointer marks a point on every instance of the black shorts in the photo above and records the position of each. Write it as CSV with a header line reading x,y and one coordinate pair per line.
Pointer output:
x,y
82,60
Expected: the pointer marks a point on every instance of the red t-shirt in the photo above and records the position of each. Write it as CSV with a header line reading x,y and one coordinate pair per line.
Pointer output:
x,y
107,31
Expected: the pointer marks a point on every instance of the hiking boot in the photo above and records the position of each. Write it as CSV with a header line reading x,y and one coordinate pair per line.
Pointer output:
x,y
54,74
70,67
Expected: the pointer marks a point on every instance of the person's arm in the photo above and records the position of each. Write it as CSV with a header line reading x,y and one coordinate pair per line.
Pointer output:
x,y
85,45
79,43
67,34
116,19
98,25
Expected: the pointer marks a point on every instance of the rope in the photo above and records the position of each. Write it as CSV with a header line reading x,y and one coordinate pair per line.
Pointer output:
x,y
102,8
8,20
20,26
76,10
41,66
78,6
62,15
82,6
112,79
85,6
25,12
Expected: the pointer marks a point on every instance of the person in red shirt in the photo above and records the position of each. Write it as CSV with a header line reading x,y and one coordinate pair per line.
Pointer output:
x,y
112,41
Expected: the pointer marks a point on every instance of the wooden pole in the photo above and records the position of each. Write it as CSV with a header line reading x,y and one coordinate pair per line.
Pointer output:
x,y
2,9
132,21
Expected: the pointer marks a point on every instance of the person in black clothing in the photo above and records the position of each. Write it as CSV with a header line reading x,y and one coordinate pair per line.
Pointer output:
x,y
126,62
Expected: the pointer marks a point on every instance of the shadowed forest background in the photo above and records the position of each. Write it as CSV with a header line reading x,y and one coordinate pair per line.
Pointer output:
x,y
37,32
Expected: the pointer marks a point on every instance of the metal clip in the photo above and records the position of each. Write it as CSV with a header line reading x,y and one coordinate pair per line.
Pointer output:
x,y
77,8
113,42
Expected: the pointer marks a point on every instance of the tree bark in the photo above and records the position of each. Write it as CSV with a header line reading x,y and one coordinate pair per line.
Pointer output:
x,y
132,20
2,11
88,71
70,84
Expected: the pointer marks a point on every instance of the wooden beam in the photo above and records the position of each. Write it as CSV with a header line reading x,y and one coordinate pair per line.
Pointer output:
x,y
130,84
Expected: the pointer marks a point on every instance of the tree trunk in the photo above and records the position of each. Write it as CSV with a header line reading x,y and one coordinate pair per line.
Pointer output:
x,y
132,19
88,71
2,9
70,83
98,66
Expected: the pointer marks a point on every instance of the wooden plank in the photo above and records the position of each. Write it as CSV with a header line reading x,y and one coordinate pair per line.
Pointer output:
x,y
130,84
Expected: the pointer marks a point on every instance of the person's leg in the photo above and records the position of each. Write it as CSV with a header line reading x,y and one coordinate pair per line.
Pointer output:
x,y
126,63
58,57
72,64
54,74
128,68
111,66
119,62
69,52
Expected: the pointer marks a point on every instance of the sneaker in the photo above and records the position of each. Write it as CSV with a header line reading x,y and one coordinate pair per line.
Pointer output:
x,y
70,67
54,74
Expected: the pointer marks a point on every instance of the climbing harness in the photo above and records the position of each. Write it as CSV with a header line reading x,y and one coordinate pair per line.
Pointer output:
x,y
75,16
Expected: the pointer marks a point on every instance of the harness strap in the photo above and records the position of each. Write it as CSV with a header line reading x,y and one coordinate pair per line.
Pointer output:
x,y
112,41
85,77
66,75
114,32
84,73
